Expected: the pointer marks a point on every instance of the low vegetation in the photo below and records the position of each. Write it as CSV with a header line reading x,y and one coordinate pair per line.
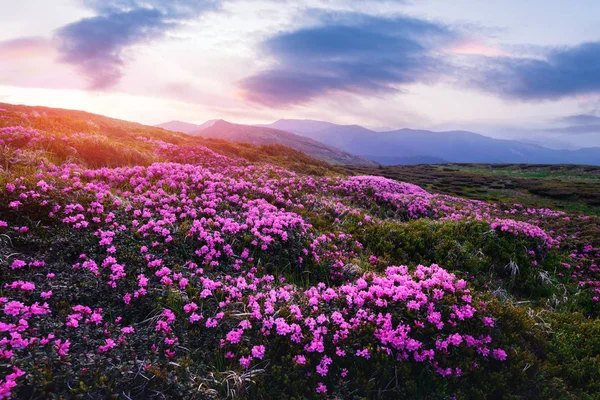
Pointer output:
x,y
573,188
136,263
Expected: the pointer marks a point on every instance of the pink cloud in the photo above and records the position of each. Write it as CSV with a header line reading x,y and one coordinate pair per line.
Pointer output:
x,y
31,62
475,47
27,47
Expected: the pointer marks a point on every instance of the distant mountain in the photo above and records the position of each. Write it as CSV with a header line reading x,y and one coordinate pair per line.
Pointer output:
x,y
350,136
258,135
452,146
185,127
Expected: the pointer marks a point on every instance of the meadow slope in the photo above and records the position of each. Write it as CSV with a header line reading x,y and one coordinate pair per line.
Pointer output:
x,y
141,264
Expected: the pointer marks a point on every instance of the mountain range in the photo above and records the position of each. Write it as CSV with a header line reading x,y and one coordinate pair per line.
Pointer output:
x,y
258,135
354,144
412,146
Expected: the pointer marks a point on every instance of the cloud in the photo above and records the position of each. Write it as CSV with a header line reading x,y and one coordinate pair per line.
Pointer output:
x,y
96,45
562,72
372,55
180,9
25,47
476,47
576,129
349,52
29,62
579,124
583,119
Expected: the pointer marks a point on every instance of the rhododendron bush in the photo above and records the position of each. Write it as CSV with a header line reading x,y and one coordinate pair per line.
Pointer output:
x,y
206,276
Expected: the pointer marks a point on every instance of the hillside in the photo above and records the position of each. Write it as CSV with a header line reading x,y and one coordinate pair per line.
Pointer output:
x,y
96,140
140,263
450,146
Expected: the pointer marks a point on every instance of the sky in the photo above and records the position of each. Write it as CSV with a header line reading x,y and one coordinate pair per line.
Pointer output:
x,y
529,70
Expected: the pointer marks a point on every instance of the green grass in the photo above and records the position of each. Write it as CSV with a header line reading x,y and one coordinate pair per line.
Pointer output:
x,y
570,188
565,173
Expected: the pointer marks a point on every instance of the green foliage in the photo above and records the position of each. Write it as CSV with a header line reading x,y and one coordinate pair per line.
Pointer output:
x,y
573,358
486,257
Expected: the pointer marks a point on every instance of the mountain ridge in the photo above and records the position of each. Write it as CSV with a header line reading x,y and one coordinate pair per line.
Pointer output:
x,y
417,146
452,146
185,127
256,135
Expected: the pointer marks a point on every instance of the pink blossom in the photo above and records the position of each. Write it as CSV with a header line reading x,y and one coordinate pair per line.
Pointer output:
x,y
499,354
300,359
321,388
17,264
258,351
245,361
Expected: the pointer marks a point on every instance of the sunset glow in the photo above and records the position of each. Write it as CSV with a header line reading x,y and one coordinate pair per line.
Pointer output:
x,y
255,62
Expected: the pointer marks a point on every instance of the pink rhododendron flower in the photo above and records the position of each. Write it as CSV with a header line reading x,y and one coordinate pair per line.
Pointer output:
x,y
321,388
258,351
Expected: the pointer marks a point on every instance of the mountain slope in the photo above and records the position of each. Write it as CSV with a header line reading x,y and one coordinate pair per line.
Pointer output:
x,y
451,146
96,140
258,135
344,136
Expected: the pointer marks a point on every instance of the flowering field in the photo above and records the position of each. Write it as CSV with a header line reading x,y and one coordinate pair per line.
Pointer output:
x,y
168,269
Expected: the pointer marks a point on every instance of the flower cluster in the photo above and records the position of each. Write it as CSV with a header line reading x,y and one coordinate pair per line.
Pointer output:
x,y
208,252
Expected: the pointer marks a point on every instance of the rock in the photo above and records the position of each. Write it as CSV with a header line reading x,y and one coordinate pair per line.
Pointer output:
x,y
351,272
